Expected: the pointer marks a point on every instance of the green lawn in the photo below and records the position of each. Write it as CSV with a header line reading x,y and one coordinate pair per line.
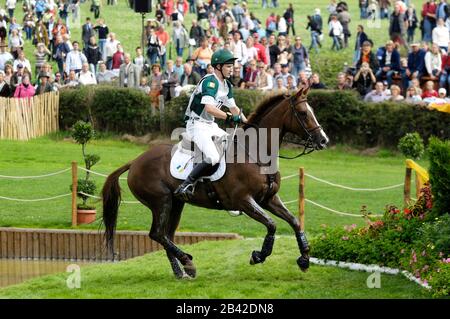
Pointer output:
x,y
50,154
127,25
223,272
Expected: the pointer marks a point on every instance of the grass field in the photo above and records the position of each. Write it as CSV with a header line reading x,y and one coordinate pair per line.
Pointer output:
x,y
127,25
50,154
223,272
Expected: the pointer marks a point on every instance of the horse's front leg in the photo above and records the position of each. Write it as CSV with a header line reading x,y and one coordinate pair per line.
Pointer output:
x,y
276,207
252,209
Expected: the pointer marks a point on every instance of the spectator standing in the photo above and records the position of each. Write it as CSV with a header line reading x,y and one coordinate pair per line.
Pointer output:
x,y
110,49
139,60
250,75
86,77
39,8
41,34
397,27
236,78
315,33
289,17
75,59
129,74
344,18
342,83
21,59
5,56
285,55
444,81
102,31
396,94
180,38
117,59
41,53
95,8
164,40
93,54
71,80
361,37
315,82
300,56
59,29
189,77
196,33
28,24
238,13
4,86
15,43
271,24
44,85
440,35
429,19
87,31
61,51
24,89
202,57
411,23
51,40
281,25
11,6
336,32
169,81
155,85
264,81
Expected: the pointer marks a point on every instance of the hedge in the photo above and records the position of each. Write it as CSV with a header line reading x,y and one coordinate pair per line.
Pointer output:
x,y
344,117
439,153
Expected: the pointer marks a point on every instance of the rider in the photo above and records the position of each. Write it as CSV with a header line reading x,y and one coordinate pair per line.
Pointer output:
x,y
213,91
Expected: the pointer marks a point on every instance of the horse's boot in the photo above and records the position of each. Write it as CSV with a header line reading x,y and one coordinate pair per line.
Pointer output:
x,y
186,189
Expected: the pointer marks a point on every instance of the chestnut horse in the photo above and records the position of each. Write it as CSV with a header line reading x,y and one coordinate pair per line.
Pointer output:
x,y
243,187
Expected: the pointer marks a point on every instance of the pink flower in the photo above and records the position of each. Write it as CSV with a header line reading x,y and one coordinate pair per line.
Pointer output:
x,y
447,261
353,226
344,238
425,282
414,257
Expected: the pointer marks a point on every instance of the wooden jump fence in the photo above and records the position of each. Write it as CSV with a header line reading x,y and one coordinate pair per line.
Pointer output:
x,y
26,118
59,244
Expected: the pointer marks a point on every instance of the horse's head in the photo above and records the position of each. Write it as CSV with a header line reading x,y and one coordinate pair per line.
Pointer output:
x,y
302,121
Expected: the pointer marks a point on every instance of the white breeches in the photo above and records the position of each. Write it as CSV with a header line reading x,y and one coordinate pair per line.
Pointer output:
x,y
201,134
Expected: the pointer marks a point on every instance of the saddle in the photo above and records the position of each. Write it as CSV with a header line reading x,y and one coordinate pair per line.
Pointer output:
x,y
187,154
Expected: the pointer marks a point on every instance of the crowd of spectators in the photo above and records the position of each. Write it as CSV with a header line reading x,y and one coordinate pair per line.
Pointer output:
x,y
270,55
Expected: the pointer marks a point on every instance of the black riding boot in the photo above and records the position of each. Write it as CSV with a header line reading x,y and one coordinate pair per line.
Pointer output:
x,y
186,189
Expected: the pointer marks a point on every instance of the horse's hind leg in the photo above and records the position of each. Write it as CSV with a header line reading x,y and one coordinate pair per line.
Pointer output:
x,y
160,232
276,207
252,209
177,208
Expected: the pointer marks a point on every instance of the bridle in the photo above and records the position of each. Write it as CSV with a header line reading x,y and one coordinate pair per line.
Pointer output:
x,y
308,144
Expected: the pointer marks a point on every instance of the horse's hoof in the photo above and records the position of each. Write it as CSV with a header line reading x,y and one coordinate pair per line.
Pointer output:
x,y
303,263
190,270
256,258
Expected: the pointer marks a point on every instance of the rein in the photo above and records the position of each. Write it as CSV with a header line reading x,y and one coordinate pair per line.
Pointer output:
x,y
308,145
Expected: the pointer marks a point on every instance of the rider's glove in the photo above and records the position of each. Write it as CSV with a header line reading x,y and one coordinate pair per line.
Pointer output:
x,y
229,117
237,119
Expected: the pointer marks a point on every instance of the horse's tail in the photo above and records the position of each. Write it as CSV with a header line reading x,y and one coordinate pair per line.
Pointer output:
x,y
111,201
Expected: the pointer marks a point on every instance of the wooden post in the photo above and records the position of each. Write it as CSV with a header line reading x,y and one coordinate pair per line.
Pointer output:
x,y
407,188
74,193
301,198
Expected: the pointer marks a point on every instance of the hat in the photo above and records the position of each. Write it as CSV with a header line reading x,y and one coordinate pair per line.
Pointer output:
x,y
44,75
20,65
443,91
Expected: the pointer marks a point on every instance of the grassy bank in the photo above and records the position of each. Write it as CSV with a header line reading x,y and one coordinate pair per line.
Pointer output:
x,y
223,272
50,154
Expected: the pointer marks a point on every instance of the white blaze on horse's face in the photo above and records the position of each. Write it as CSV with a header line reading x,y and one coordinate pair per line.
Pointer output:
x,y
320,139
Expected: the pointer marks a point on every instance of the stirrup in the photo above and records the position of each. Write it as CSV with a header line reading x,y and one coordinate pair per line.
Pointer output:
x,y
184,193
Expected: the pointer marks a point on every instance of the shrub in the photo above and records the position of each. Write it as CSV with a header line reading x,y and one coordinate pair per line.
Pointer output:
x,y
440,280
82,133
439,153
411,145
438,233
344,117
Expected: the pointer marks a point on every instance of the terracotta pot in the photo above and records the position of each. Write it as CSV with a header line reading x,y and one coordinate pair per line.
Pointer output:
x,y
85,216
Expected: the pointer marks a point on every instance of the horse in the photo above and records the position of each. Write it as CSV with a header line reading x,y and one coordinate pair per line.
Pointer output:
x,y
242,188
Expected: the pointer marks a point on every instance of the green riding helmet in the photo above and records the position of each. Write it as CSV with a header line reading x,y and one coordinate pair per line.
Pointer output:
x,y
222,57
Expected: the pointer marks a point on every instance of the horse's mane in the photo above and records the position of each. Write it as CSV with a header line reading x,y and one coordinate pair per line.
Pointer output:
x,y
256,116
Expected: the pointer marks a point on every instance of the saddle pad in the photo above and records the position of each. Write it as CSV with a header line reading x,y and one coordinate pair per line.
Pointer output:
x,y
182,163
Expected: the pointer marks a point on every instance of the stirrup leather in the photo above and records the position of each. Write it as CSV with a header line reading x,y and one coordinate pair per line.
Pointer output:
x,y
185,192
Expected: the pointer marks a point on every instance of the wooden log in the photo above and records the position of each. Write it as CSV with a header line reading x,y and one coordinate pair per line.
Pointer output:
x,y
407,187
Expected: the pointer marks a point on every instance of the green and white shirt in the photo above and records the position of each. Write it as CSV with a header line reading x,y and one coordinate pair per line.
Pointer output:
x,y
210,90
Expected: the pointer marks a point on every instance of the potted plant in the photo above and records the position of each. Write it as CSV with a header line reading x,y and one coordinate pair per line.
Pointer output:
x,y
82,133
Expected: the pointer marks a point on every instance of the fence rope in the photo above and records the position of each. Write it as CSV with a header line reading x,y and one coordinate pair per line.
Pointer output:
x,y
34,200
327,208
97,173
97,197
346,187
36,176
